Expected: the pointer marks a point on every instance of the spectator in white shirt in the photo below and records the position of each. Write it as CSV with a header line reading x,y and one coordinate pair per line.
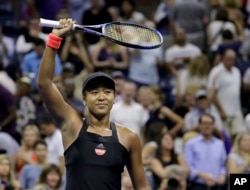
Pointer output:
x,y
128,112
24,41
179,54
224,84
53,138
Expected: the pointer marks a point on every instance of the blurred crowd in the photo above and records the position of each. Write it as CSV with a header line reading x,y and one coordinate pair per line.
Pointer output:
x,y
188,100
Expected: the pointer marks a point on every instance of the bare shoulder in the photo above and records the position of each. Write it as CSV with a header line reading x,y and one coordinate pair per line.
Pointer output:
x,y
126,137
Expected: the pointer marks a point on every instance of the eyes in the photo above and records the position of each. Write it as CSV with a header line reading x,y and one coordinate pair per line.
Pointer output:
x,y
105,91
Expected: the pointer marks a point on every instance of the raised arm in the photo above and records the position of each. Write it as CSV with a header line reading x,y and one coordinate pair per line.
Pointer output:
x,y
51,96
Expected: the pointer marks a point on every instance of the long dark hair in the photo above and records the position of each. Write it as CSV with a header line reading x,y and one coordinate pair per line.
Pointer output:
x,y
159,150
154,131
46,171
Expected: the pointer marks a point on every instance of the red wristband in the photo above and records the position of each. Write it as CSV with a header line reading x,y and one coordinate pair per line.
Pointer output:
x,y
54,41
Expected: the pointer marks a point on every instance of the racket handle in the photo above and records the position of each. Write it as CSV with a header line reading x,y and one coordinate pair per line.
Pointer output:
x,y
51,23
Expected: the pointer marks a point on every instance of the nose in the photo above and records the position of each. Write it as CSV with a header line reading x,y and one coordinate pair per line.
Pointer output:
x,y
100,96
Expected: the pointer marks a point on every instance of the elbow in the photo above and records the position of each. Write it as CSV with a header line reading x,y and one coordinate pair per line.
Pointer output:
x,y
43,83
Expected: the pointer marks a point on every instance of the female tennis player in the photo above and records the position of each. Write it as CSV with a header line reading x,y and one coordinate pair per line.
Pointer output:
x,y
96,149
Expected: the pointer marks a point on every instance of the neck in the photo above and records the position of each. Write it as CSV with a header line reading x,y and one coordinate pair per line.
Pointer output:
x,y
101,122
202,110
207,137
127,102
52,132
42,163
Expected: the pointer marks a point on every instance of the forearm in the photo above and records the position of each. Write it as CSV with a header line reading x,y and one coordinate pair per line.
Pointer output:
x,y
65,51
119,65
101,63
239,169
47,67
217,104
84,57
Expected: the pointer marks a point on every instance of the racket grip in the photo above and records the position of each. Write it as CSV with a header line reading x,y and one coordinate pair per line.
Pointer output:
x,y
50,23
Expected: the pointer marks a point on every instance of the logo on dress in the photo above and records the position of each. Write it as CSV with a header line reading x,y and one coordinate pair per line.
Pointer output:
x,y
100,149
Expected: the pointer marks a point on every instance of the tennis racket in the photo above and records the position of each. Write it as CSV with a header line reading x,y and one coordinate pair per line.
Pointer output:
x,y
123,33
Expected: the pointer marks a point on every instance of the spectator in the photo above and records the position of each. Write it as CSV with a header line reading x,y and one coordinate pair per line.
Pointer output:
x,y
8,113
144,64
228,42
191,15
143,97
196,75
26,153
49,8
31,172
108,56
162,113
129,12
177,57
7,176
214,31
31,62
239,158
51,177
96,14
77,8
24,41
163,16
128,112
165,156
152,134
75,50
235,15
119,80
53,139
224,84
9,145
200,152
202,106
26,108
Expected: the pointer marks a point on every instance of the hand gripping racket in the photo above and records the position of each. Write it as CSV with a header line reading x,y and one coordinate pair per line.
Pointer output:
x,y
123,33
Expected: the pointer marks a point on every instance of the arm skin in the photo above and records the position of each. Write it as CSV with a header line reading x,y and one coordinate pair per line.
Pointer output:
x,y
51,96
134,165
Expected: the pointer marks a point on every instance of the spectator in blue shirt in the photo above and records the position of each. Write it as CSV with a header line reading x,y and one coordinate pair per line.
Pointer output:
x,y
31,172
31,61
206,157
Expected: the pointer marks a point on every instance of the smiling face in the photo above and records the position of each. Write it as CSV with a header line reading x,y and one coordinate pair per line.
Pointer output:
x,y
53,179
99,100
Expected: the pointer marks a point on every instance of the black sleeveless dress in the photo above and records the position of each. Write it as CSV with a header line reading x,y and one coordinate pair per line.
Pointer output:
x,y
95,162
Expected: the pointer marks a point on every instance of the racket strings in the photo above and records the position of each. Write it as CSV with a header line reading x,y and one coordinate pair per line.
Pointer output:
x,y
133,34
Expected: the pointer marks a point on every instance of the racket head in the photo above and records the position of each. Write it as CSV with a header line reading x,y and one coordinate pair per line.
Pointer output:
x,y
132,35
